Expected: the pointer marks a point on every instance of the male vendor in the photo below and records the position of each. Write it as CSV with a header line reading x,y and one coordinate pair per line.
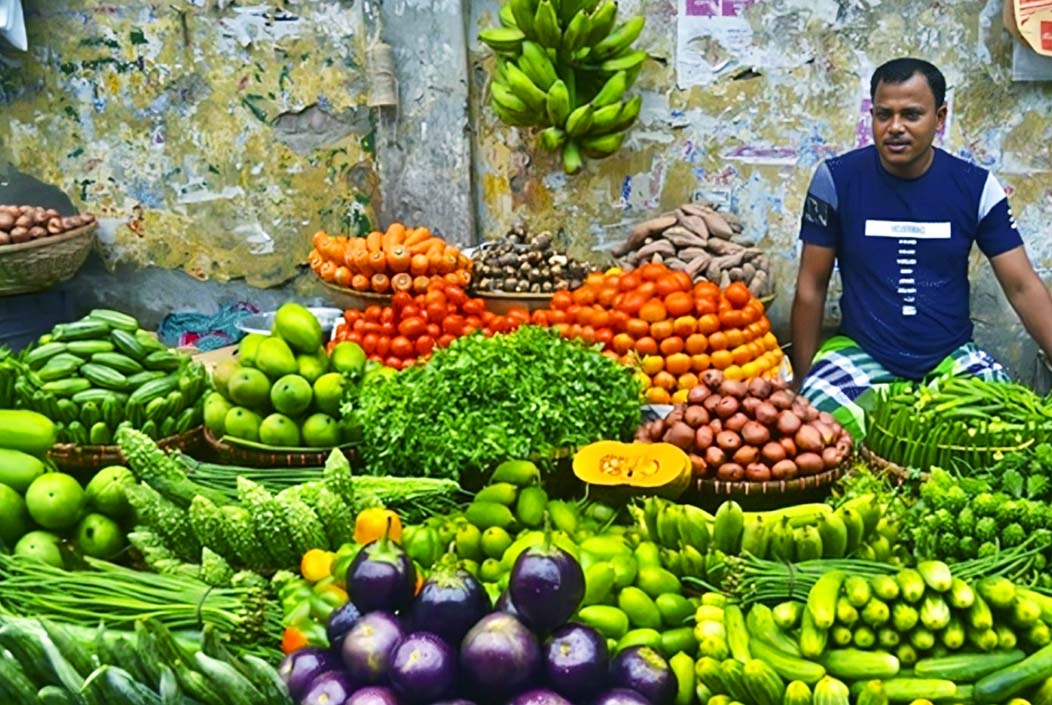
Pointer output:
x,y
899,218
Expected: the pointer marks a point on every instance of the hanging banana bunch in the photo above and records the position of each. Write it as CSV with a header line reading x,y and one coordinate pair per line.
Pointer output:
x,y
564,66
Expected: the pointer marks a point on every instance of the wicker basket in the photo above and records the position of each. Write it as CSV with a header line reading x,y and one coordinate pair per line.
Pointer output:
x,y
233,454
38,264
86,460
757,496
500,302
349,298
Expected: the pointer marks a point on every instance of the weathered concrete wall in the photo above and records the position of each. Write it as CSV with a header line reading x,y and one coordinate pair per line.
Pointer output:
x,y
800,103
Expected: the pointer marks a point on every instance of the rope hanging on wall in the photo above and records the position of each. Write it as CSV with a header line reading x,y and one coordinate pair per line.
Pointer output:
x,y
383,83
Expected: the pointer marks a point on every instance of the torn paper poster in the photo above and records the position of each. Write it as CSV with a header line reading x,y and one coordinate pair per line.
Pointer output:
x,y
711,35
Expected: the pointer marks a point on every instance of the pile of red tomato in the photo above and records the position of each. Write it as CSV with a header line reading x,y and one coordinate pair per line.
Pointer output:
x,y
411,327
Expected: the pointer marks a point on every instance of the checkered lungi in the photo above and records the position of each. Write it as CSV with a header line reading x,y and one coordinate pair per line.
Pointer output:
x,y
843,378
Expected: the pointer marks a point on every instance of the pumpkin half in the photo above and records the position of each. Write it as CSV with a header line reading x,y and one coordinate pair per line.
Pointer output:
x,y
642,468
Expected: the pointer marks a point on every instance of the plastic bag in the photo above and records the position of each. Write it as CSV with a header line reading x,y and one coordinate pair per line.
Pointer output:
x,y
13,23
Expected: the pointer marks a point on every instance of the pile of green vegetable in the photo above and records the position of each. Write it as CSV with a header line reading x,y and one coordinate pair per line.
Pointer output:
x,y
483,400
956,423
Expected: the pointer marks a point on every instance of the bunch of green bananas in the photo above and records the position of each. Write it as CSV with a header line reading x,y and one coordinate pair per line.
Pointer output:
x,y
565,65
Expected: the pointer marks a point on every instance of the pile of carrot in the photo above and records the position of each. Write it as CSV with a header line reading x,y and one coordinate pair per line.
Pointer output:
x,y
399,259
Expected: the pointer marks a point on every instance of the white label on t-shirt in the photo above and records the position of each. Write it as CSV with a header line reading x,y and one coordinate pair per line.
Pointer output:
x,y
901,229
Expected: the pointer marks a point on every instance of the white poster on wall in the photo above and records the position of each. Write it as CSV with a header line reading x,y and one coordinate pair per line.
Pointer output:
x,y
710,36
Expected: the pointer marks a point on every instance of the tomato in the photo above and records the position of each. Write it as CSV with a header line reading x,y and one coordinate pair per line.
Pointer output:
x,y
488,332
557,316
402,347
354,337
394,362
502,324
539,317
351,315
433,296
369,343
412,327
359,325
424,345
434,330
737,294
474,307
372,327
401,299
372,313
383,345
436,312
473,322
408,362
387,315
561,300
388,329
604,336
412,311
445,340
456,295
454,325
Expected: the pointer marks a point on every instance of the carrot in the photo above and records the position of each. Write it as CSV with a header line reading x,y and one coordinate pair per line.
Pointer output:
x,y
420,284
318,237
343,276
398,259
361,262
327,271
360,282
434,262
315,259
416,236
357,243
447,263
381,283
422,247
418,265
464,277
374,241
395,235
437,246
403,281
378,261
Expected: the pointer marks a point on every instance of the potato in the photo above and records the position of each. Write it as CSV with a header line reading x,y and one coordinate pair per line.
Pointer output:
x,y
830,457
788,423
24,221
37,232
716,425
19,234
773,452
5,237
755,434
782,399
749,405
674,416
759,388
826,432
733,388
808,439
698,393
710,403
54,226
789,446
680,435
728,441
727,407
698,466
809,463
784,470
715,456
696,416
736,423
730,472
703,438
757,472
826,418
766,413
7,221
712,378
746,455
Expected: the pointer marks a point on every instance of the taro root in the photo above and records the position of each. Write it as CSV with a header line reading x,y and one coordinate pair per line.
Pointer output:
x,y
784,470
730,472
736,423
755,433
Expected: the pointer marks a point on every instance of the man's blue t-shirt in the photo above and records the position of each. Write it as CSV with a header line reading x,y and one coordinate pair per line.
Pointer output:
x,y
902,248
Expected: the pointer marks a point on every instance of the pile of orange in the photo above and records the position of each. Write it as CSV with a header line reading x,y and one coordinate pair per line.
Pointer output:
x,y
672,329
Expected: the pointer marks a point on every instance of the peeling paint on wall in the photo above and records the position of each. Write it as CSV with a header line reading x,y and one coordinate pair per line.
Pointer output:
x,y
210,141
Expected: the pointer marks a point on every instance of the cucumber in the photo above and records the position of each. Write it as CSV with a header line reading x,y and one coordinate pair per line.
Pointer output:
x,y
812,637
830,691
906,690
115,319
27,431
89,347
1008,682
117,361
854,664
967,668
762,625
762,683
788,667
15,684
129,344
737,634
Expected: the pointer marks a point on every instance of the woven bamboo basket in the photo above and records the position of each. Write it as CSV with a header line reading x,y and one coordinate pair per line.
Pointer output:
x,y
347,298
757,496
229,453
86,460
33,266
500,302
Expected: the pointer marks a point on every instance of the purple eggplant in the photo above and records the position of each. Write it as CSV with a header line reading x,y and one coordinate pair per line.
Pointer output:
x,y
368,648
504,604
645,671
329,688
374,695
499,656
340,622
540,696
458,701
621,696
300,668
576,661
381,577
546,585
449,603
424,668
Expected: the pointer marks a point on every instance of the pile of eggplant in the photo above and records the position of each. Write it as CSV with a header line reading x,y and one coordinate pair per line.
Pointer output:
x,y
523,263
447,645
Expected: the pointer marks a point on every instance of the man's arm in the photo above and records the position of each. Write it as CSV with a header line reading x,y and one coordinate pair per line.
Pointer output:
x,y
1027,294
812,285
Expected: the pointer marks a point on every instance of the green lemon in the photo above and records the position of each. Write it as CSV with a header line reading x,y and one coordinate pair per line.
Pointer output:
x,y
14,517
279,430
222,373
41,545
55,500
320,431
250,387
328,393
249,346
105,491
242,423
313,365
216,408
495,542
348,357
99,537
291,395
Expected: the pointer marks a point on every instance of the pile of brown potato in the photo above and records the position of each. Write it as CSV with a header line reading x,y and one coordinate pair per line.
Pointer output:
x,y
24,223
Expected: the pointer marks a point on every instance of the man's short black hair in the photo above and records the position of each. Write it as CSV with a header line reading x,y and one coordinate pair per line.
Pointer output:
x,y
902,70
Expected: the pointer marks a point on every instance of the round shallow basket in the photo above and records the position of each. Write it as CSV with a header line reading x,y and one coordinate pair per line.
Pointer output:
x,y
33,266
500,303
898,474
349,298
760,496
86,460
233,454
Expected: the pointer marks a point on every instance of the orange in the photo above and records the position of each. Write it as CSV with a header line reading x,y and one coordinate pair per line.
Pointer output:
x,y
665,380
703,305
749,315
629,281
770,341
652,364
697,343
687,381
733,372
600,317
637,327
666,285
632,302
652,271
734,337
752,369
606,295
671,346
678,303
595,279
622,343
658,395
738,294
647,346
722,359
680,396
699,362
718,341
731,319
677,363
644,379
708,323
647,289
584,316
653,310
765,324
742,354
584,295
661,329
684,326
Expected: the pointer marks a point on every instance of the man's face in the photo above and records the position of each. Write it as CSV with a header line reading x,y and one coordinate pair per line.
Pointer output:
x,y
905,121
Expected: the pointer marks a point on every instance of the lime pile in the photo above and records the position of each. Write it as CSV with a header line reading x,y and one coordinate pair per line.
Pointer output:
x,y
284,389
43,512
